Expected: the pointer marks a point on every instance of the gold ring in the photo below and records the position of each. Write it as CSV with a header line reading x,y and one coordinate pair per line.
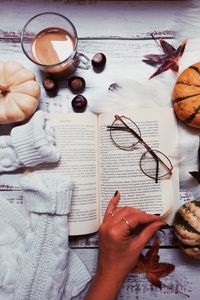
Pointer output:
x,y
127,223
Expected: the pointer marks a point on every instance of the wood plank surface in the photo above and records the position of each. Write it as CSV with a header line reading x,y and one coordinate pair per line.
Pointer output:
x,y
183,283
121,30
97,19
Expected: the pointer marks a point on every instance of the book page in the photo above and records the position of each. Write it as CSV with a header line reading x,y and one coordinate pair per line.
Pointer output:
x,y
120,170
76,140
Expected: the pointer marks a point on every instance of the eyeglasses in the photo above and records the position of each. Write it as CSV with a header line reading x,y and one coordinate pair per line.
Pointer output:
x,y
125,135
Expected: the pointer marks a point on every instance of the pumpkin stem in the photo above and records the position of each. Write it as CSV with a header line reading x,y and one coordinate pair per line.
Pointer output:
x,y
4,89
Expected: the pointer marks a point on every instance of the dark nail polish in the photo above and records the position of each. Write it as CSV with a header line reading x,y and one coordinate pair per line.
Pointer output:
x,y
115,193
156,214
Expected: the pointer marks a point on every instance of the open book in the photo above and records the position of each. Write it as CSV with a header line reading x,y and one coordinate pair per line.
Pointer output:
x,y
98,168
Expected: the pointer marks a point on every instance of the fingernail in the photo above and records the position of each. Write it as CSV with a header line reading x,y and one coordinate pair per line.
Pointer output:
x,y
115,193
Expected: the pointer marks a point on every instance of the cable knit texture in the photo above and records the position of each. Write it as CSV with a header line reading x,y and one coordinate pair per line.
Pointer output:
x,y
47,193
9,160
12,247
49,267
29,145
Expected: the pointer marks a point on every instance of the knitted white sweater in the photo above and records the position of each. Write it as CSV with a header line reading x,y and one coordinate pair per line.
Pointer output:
x,y
35,260
29,145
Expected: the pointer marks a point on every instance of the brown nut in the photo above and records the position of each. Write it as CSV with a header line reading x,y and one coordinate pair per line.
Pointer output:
x,y
49,84
79,103
76,84
99,61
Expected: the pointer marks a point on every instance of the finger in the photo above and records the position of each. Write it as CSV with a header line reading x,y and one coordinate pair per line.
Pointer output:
x,y
122,212
142,218
127,210
113,203
134,216
147,233
129,223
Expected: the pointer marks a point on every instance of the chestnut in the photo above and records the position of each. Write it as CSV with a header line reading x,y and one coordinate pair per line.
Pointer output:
x,y
49,84
76,84
99,61
79,103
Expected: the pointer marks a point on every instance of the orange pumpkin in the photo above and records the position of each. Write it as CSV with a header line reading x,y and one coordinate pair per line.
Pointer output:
x,y
186,96
19,92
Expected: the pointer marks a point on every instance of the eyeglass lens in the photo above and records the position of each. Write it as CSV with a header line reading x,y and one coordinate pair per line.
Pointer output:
x,y
123,138
148,164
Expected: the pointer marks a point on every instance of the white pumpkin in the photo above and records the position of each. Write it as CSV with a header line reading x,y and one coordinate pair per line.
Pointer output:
x,y
19,92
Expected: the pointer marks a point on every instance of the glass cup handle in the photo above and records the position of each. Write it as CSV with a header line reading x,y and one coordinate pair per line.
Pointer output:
x,y
83,61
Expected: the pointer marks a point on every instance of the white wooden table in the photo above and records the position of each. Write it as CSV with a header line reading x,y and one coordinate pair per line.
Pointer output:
x,y
121,30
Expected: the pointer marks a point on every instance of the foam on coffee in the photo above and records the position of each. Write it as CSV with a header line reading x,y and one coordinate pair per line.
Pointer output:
x,y
52,46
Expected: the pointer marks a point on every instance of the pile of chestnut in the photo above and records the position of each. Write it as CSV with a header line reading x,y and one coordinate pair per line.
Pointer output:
x,y
76,84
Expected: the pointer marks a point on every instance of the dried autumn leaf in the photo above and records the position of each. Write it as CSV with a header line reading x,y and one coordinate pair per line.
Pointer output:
x,y
158,271
150,265
168,60
141,266
196,174
167,48
152,256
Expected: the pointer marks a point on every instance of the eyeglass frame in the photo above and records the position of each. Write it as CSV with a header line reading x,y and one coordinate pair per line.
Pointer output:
x,y
140,140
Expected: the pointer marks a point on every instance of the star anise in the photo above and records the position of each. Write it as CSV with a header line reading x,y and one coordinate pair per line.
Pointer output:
x,y
168,60
196,174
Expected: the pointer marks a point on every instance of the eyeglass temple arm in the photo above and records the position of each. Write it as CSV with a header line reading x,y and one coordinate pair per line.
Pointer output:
x,y
153,154
114,127
159,159
129,128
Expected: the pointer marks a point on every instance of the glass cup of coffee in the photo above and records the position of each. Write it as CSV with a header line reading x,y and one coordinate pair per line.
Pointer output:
x,y
50,41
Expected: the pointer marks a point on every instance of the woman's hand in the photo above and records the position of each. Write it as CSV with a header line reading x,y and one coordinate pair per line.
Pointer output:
x,y
118,248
